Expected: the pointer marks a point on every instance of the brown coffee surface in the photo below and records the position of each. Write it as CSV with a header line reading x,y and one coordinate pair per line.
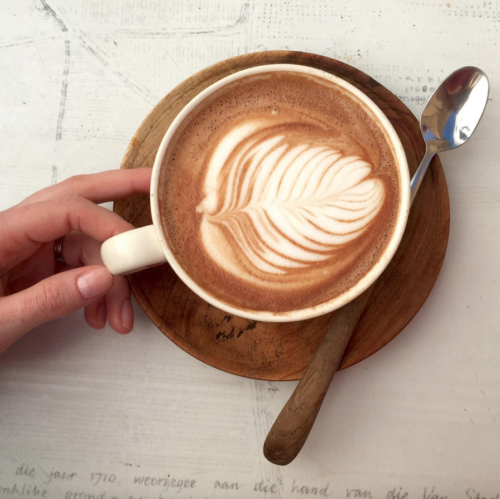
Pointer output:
x,y
279,192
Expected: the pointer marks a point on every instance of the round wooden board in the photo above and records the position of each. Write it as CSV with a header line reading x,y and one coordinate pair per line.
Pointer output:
x,y
275,351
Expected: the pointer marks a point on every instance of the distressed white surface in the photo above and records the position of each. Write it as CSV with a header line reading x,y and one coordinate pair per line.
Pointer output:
x,y
424,412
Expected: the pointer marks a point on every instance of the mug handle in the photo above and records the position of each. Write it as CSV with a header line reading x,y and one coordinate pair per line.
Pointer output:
x,y
132,251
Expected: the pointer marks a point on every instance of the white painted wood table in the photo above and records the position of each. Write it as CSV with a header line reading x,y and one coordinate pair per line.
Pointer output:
x,y
89,415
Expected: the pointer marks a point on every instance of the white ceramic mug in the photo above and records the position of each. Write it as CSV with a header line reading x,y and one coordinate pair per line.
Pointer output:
x,y
141,248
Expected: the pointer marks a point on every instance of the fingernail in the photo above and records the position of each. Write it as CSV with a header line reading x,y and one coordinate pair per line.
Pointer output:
x,y
127,315
102,314
95,282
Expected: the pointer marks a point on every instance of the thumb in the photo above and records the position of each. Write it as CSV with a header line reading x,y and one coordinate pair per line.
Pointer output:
x,y
54,297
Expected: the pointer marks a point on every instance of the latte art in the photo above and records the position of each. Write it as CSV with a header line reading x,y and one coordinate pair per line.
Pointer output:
x,y
278,192
286,201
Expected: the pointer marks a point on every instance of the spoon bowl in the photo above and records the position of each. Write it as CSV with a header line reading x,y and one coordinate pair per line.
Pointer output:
x,y
454,109
451,115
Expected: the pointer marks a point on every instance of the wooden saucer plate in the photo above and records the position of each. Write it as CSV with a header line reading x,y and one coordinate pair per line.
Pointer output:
x,y
274,351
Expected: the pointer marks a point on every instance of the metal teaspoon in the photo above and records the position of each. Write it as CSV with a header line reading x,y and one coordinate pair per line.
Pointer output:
x,y
449,118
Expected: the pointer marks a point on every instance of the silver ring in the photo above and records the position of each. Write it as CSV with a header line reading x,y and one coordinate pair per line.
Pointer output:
x,y
58,244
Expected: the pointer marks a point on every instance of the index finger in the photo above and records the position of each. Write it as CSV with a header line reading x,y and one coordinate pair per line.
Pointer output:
x,y
110,185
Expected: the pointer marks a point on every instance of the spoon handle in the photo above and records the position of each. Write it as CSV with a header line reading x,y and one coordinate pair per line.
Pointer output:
x,y
291,429
294,423
420,173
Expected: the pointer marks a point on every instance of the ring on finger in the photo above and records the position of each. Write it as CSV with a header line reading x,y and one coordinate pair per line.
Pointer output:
x,y
58,245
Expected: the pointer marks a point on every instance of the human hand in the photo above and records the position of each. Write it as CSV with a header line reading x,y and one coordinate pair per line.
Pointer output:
x,y
34,288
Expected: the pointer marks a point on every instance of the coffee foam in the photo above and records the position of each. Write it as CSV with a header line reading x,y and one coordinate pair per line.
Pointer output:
x,y
279,192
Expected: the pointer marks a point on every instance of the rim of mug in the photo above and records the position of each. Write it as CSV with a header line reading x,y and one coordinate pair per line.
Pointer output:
x,y
367,280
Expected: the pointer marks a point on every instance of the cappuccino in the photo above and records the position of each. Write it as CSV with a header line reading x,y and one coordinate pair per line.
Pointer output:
x,y
279,192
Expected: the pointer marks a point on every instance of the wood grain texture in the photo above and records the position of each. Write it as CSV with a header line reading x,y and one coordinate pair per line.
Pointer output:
x,y
282,351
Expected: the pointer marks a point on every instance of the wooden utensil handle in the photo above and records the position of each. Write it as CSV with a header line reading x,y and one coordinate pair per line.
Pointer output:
x,y
291,428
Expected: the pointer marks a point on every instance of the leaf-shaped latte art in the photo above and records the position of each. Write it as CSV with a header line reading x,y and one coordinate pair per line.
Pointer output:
x,y
285,204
